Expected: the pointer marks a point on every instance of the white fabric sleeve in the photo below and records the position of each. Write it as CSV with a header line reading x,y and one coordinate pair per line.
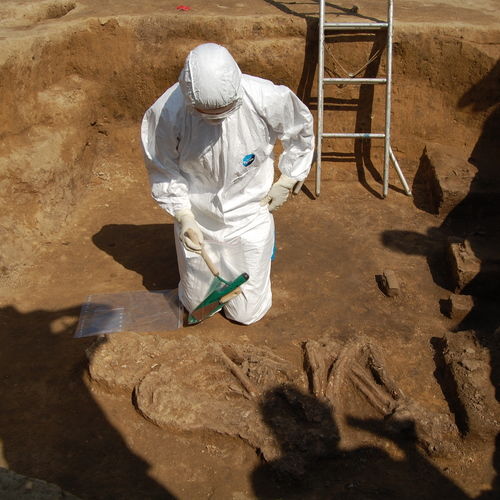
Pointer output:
x,y
160,142
292,123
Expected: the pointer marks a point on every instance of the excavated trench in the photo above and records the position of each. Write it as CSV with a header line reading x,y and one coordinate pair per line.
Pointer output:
x,y
74,188
61,90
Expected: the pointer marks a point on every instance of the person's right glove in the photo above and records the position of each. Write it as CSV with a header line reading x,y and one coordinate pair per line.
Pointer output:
x,y
190,234
278,193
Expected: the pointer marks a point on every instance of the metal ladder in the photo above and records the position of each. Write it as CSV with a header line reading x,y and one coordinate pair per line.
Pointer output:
x,y
322,81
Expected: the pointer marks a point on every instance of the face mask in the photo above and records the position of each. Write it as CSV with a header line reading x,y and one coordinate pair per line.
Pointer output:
x,y
213,121
218,117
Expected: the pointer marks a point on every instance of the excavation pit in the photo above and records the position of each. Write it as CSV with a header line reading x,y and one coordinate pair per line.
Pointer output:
x,y
76,219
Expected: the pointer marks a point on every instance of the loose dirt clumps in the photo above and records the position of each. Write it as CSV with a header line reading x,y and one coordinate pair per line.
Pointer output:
x,y
465,376
338,373
248,392
195,385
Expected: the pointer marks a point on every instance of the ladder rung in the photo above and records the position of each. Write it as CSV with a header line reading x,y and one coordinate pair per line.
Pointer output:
x,y
355,81
355,26
356,135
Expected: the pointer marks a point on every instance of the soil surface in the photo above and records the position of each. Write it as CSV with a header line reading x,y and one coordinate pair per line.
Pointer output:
x,y
341,391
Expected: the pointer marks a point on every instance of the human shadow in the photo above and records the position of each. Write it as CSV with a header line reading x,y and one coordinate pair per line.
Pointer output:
x,y
433,483
312,464
484,316
50,425
475,219
432,245
148,250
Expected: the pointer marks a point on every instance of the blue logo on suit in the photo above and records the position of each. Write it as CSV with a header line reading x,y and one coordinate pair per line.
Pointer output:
x,y
248,160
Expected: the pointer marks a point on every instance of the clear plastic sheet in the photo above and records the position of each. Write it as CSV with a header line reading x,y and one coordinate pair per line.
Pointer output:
x,y
141,312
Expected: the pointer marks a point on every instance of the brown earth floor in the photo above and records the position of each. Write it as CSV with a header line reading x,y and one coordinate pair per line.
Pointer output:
x,y
324,283
57,427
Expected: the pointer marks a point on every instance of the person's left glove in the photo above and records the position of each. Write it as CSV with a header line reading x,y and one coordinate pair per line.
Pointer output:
x,y
278,193
190,234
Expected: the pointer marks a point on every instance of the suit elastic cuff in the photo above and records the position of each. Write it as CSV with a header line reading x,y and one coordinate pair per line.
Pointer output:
x,y
185,212
287,182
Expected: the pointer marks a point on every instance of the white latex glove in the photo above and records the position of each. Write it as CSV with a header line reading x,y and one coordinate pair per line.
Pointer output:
x,y
278,193
190,234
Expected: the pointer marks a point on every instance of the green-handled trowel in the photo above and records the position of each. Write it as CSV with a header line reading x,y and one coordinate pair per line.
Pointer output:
x,y
221,291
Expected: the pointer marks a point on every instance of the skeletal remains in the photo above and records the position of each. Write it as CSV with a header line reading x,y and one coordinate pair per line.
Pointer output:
x,y
250,393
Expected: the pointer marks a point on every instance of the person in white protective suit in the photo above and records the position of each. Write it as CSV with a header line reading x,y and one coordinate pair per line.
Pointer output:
x,y
208,143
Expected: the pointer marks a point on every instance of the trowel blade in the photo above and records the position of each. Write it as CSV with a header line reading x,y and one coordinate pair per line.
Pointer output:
x,y
205,312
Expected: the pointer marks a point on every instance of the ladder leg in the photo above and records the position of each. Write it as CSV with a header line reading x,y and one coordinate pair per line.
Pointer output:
x,y
388,90
318,165
399,172
321,75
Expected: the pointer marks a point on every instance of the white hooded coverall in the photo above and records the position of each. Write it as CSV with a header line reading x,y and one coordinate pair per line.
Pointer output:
x,y
221,170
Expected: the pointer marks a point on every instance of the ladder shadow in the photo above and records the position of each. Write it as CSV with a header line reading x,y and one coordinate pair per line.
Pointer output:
x,y
338,10
310,64
304,89
363,105
364,120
